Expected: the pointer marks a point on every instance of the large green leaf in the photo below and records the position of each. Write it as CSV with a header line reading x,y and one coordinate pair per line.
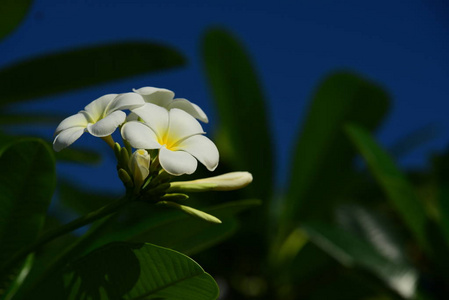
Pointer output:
x,y
244,140
171,228
399,191
323,159
354,252
12,13
69,70
132,271
27,182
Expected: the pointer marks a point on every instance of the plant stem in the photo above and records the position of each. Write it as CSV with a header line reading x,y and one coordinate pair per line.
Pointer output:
x,y
109,140
57,232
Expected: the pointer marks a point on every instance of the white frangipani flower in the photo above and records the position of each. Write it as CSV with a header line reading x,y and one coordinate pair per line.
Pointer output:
x,y
225,182
100,118
164,98
139,165
177,135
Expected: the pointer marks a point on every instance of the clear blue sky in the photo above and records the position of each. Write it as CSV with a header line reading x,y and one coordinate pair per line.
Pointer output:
x,y
402,45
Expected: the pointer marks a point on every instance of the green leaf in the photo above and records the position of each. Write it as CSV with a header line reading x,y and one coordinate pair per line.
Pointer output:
x,y
398,190
78,155
323,158
84,67
30,118
12,13
351,251
27,182
241,110
18,279
133,271
171,228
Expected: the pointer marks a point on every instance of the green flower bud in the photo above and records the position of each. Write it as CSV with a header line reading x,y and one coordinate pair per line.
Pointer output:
x,y
125,178
191,211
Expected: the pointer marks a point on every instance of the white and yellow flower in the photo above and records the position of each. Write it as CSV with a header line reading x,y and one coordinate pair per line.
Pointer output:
x,y
177,135
100,118
165,98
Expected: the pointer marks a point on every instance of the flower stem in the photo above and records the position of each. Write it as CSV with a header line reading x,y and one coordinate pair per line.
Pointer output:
x,y
109,140
57,232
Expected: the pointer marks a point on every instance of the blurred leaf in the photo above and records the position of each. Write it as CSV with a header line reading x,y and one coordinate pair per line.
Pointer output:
x,y
241,109
44,257
392,181
18,279
78,155
351,251
413,140
81,201
375,229
171,228
133,271
27,182
323,159
12,13
27,118
81,68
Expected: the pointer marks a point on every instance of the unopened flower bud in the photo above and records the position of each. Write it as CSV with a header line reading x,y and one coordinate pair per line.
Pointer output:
x,y
226,182
139,165
125,178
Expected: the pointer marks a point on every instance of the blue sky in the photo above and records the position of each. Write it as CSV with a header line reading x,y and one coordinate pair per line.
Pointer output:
x,y
402,45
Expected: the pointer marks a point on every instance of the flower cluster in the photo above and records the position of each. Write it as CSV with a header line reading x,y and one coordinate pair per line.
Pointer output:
x,y
167,139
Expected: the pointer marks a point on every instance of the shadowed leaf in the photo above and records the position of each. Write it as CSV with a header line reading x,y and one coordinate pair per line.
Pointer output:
x,y
133,271
84,67
398,190
12,13
241,110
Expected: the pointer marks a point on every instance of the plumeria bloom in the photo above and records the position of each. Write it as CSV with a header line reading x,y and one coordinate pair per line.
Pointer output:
x,y
100,118
164,98
225,182
177,135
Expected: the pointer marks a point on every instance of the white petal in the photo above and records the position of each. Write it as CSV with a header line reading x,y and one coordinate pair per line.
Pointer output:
x,y
161,97
107,125
182,125
203,149
78,120
97,108
67,137
177,162
132,117
140,136
125,101
155,117
190,108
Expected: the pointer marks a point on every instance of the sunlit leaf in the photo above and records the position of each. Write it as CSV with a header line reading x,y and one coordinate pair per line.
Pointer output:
x,y
12,13
241,109
323,157
133,271
81,68
27,182
354,252
392,181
